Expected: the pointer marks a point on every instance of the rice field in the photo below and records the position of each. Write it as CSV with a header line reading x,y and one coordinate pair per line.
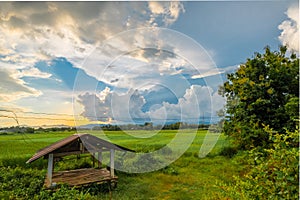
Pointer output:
x,y
189,177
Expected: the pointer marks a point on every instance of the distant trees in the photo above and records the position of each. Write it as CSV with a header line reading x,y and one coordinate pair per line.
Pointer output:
x,y
263,91
29,130
151,126
16,129
26,129
108,127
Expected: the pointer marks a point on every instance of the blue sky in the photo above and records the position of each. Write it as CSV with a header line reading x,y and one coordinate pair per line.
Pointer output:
x,y
233,30
110,62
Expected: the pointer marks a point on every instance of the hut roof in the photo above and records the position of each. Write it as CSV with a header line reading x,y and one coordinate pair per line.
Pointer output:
x,y
80,143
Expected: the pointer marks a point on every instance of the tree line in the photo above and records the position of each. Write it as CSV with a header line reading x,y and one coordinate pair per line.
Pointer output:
x,y
151,126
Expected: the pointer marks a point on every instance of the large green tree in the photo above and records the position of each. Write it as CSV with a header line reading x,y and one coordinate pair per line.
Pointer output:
x,y
263,91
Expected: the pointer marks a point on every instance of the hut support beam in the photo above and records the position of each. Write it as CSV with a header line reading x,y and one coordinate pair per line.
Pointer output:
x,y
112,162
99,159
50,168
93,157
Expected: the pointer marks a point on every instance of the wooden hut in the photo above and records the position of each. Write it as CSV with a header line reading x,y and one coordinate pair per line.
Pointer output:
x,y
75,145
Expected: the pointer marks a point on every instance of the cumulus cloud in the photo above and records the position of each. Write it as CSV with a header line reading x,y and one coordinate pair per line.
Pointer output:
x,y
41,30
169,11
129,61
35,31
138,59
13,86
108,105
290,29
198,100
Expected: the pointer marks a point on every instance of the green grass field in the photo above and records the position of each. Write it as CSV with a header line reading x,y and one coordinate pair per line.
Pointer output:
x,y
189,177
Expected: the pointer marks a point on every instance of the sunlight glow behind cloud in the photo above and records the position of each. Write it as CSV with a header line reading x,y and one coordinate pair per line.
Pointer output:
x,y
32,33
35,31
133,67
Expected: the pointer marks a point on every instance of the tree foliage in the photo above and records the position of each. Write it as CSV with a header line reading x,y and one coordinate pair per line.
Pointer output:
x,y
263,91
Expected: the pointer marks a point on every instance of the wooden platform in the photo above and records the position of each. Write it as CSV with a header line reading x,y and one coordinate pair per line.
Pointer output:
x,y
81,177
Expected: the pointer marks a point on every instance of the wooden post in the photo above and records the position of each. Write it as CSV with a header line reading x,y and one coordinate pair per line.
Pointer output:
x,y
81,148
50,168
99,159
112,162
93,157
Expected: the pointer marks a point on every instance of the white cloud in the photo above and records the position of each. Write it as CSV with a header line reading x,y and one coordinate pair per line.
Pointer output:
x,y
109,105
41,30
12,88
161,58
290,29
197,100
49,101
35,31
169,11
33,72
137,57
212,72
216,71
156,7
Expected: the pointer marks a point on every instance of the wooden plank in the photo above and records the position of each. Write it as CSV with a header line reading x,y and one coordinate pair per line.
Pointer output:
x,y
82,177
81,148
57,155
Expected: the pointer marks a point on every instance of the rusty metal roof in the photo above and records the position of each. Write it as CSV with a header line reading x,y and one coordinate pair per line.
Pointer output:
x,y
72,143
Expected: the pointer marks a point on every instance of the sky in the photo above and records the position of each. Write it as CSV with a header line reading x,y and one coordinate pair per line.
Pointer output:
x,y
76,63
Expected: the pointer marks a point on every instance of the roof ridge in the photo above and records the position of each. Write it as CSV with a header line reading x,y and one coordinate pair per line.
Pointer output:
x,y
63,142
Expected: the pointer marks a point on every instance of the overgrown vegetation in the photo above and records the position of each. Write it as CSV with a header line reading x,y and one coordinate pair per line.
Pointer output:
x,y
273,172
262,116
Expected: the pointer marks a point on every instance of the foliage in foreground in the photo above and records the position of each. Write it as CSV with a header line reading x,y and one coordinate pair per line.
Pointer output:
x,y
20,183
176,181
273,172
263,91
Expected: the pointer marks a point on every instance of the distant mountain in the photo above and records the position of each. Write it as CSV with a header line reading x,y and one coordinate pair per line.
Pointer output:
x,y
54,126
90,126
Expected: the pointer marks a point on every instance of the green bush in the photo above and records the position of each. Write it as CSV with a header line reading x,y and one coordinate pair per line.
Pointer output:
x,y
170,170
228,152
273,173
14,162
20,183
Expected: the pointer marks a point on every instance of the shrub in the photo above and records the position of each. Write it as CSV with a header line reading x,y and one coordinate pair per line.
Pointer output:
x,y
228,152
273,172
170,170
19,183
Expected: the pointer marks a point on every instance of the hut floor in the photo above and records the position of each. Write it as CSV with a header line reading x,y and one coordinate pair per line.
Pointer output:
x,y
81,177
